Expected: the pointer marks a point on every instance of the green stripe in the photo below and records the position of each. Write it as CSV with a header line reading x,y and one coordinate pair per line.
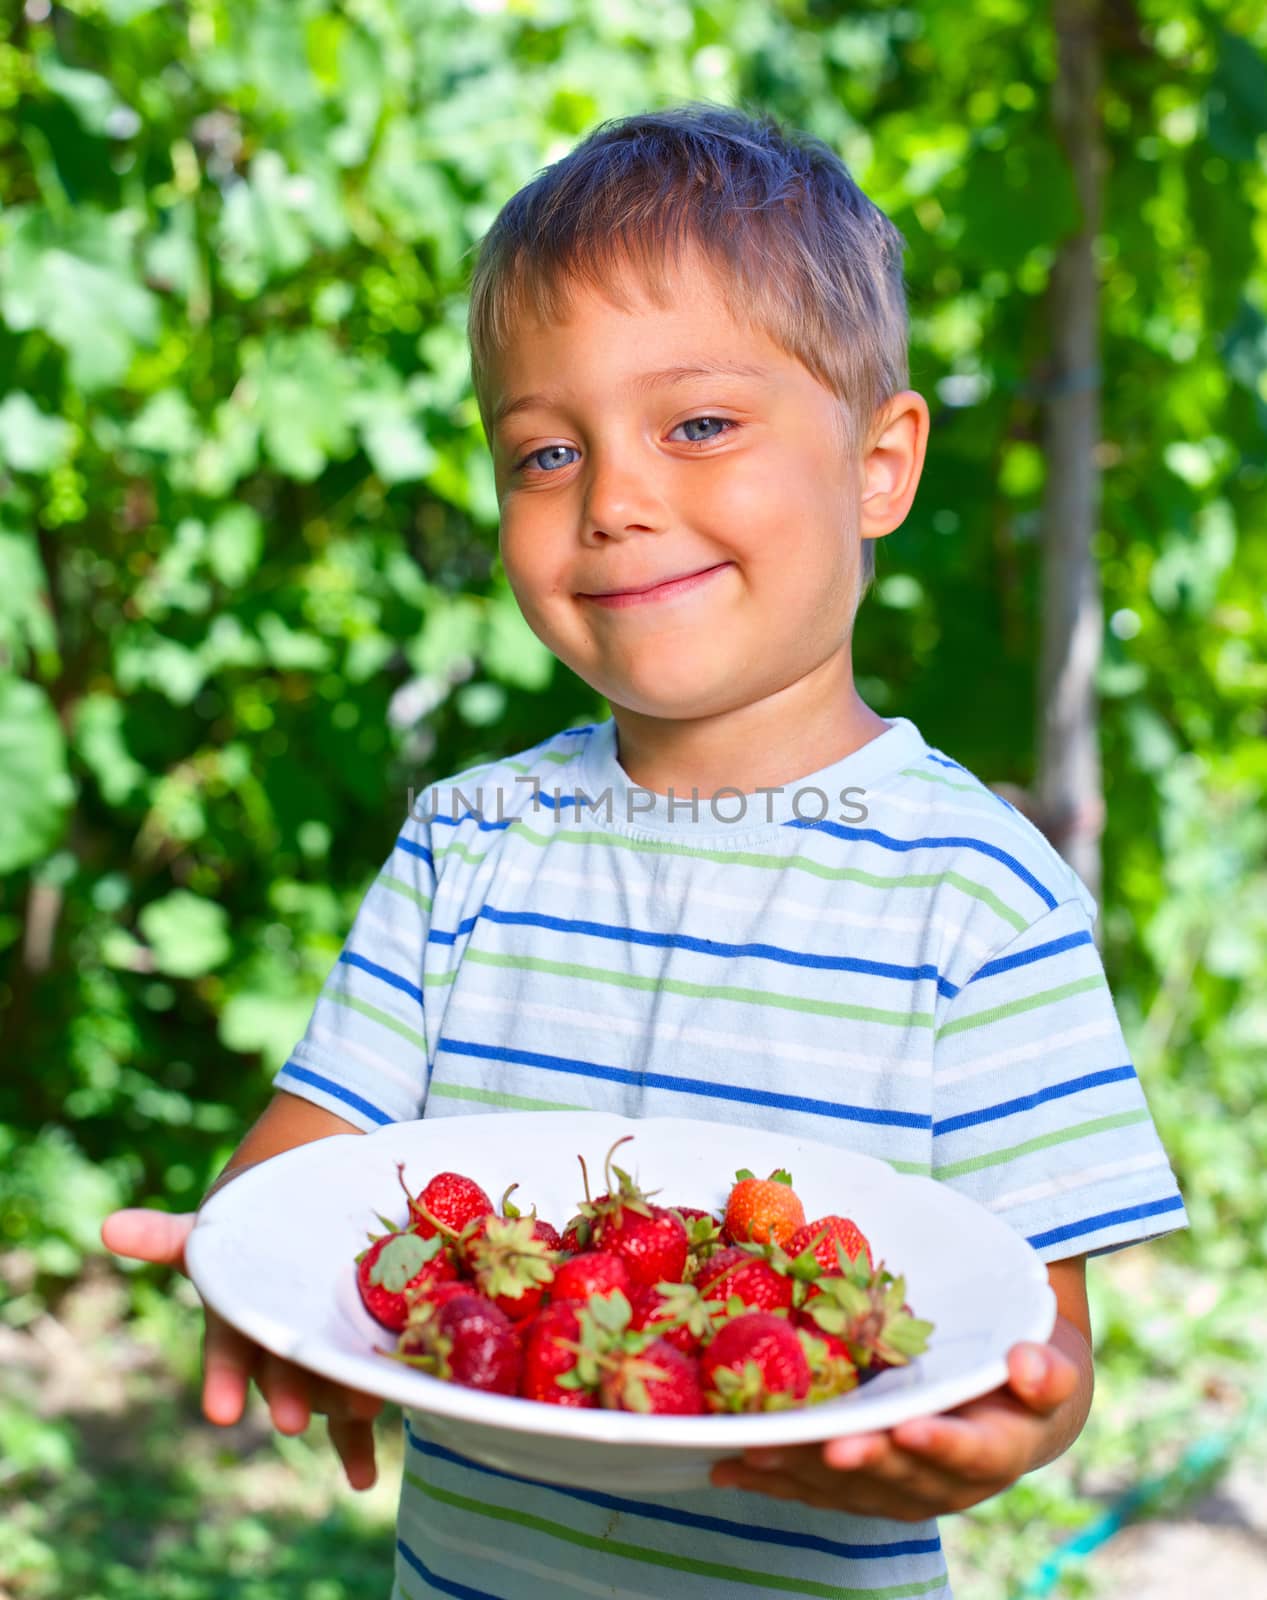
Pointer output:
x,y
748,858
660,1558
946,783
708,991
1014,1008
487,1097
403,889
375,1015
1080,1130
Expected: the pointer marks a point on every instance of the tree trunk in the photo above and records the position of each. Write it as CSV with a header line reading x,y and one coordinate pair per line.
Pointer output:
x,y
1068,787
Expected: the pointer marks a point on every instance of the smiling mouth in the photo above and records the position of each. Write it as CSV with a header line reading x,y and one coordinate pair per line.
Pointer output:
x,y
658,583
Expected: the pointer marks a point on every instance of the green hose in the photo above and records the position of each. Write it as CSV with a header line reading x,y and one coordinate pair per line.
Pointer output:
x,y
1197,1468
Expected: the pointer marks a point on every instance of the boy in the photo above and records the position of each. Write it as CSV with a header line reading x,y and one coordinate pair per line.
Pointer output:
x,y
745,896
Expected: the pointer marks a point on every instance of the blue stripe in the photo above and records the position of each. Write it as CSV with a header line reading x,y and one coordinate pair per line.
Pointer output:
x,y
985,787
414,849
689,1519
952,841
459,1591
684,941
338,1091
349,958
1027,1102
1107,1219
470,816
714,1091
1040,952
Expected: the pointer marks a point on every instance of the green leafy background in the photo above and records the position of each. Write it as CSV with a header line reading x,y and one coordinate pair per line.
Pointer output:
x,y
249,594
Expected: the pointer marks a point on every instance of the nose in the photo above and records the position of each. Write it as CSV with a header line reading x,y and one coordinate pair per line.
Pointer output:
x,y
621,499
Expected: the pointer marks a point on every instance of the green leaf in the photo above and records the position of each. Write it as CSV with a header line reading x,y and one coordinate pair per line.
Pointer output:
x,y
26,622
234,544
76,281
30,440
188,936
99,743
35,786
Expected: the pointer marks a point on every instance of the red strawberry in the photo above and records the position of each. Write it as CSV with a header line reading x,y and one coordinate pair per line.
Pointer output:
x,y
546,1232
676,1312
753,1279
465,1340
868,1312
659,1380
832,1369
547,1358
508,1263
396,1268
703,1235
652,1240
756,1362
822,1238
449,1200
763,1210
594,1272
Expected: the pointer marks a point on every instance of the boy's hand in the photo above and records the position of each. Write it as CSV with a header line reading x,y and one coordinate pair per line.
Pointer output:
x,y
230,1360
933,1465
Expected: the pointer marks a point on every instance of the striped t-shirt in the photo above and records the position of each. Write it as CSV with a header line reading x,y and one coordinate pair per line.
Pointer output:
x,y
882,953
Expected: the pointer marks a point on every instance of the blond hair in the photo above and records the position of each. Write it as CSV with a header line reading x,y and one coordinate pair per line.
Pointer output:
x,y
818,266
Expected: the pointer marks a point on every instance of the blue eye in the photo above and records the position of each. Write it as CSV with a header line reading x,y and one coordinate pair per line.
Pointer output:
x,y
723,422
533,456
690,420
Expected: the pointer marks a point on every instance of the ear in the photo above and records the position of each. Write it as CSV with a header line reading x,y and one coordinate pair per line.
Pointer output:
x,y
892,463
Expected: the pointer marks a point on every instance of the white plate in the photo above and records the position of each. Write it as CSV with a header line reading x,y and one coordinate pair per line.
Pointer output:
x,y
272,1252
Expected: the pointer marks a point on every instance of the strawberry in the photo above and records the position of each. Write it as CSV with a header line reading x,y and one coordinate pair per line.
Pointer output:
x,y
546,1232
660,1380
394,1269
703,1236
867,1311
676,1312
652,1240
465,1340
824,1238
831,1367
594,1272
508,1262
762,1210
449,1200
756,1362
735,1273
547,1358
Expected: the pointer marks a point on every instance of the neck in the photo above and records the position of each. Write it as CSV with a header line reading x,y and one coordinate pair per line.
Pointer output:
x,y
799,729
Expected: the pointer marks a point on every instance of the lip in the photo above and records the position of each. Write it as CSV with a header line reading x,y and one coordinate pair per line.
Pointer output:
x,y
657,591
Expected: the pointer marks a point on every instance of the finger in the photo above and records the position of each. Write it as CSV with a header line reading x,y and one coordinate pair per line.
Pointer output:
x,y
336,1400
354,1442
855,1452
143,1235
228,1360
286,1388
971,1450
1041,1375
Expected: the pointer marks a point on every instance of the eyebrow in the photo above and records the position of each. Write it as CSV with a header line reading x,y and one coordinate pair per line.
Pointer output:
x,y
640,384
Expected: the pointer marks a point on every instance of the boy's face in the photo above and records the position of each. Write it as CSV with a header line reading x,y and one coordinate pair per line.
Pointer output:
x,y
601,489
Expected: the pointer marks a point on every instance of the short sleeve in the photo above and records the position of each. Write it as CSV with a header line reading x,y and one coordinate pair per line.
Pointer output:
x,y
364,1054
1038,1114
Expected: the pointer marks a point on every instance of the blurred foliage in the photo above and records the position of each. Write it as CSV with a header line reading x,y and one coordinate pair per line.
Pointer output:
x,y
249,586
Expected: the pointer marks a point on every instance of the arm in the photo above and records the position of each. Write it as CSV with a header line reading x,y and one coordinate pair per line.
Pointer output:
x,y
230,1360
932,1465
287,1121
